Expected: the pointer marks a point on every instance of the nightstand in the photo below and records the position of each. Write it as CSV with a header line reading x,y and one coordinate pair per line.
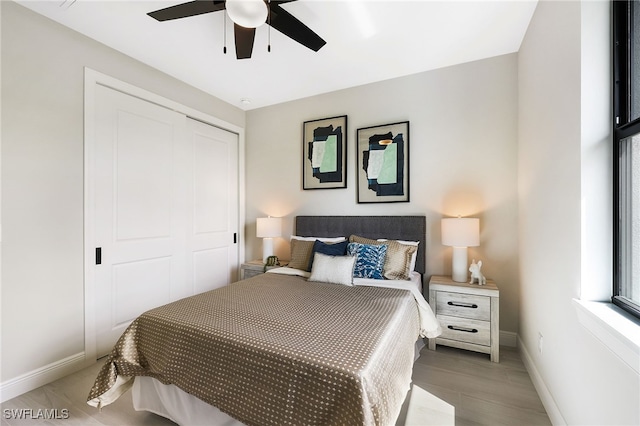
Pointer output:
x,y
253,268
468,313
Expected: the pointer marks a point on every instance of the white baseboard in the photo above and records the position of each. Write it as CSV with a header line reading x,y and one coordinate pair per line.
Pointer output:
x,y
41,376
508,338
545,396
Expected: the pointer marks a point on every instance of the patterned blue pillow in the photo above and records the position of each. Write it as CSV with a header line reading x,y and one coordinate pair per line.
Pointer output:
x,y
369,260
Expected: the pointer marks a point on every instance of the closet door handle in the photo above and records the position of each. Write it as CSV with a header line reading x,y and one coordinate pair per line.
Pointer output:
x,y
466,330
463,305
98,255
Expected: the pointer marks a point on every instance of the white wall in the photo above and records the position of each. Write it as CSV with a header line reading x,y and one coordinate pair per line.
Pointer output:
x,y
42,181
463,130
565,220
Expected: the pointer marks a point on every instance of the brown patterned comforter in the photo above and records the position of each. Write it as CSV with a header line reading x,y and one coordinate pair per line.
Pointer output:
x,y
276,350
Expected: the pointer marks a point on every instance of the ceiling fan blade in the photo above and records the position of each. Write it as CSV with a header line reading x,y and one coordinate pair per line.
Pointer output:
x,y
185,10
244,41
290,26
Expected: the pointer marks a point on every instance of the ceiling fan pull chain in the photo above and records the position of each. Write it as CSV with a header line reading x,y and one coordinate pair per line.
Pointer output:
x,y
224,35
269,29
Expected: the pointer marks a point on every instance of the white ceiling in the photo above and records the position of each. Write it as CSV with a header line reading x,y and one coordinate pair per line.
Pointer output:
x,y
367,41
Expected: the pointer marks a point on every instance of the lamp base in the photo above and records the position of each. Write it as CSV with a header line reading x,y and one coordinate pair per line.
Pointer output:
x,y
459,266
267,248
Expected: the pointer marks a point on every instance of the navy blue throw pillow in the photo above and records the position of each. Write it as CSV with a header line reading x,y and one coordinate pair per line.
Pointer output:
x,y
330,249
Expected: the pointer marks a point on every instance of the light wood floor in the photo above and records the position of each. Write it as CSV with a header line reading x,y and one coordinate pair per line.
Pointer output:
x,y
450,387
457,387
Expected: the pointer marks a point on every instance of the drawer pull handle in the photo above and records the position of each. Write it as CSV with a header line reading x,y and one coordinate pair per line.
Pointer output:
x,y
463,305
466,330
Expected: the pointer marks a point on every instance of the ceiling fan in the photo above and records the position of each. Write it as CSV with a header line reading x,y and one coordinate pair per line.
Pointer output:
x,y
247,15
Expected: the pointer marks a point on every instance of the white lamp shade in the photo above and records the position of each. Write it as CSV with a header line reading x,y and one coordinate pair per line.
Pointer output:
x,y
247,13
268,227
461,232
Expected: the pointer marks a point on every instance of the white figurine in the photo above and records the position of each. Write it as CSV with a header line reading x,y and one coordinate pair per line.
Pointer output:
x,y
476,274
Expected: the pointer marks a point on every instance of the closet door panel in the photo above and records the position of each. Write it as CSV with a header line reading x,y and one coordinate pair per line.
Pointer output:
x,y
214,206
144,173
138,224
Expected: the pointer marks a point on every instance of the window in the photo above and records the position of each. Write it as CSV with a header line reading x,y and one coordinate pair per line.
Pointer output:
x,y
626,124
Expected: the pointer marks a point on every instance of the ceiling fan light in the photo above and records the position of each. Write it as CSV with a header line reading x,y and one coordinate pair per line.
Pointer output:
x,y
247,13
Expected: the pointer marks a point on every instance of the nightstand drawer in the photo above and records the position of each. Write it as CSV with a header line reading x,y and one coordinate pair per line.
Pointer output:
x,y
248,273
253,268
465,330
464,305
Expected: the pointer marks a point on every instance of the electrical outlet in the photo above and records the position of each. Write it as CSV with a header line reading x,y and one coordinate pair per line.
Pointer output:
x,y
540,341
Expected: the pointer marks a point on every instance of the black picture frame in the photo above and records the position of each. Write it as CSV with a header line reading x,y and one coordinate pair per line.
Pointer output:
x,y
324,158
382,170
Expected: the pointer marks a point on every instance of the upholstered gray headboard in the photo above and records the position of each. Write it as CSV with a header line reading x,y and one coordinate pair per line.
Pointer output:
x,y
408,228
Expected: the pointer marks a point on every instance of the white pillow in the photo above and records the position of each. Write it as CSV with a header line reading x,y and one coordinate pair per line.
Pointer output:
x,y
323,239
333,269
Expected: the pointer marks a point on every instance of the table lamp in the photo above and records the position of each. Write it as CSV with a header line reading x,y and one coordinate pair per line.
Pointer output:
x,y
268,228
460,233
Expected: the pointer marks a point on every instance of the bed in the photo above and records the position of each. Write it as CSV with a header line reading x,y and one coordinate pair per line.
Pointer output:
x,y
282,347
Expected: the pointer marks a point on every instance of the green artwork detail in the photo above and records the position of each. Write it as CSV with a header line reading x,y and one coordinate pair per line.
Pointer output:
x,y
330,157
389,171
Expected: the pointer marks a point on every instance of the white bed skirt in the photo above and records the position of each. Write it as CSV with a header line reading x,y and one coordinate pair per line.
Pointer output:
x,y
173,403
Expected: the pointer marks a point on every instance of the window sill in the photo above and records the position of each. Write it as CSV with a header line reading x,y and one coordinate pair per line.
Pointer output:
x,y
618,330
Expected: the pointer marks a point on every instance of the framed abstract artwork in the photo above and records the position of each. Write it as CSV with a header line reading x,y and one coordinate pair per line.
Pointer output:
x,y
324,162
383,163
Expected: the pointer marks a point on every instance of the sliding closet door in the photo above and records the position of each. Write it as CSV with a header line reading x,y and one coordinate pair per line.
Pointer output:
x,y
213,201
165,209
